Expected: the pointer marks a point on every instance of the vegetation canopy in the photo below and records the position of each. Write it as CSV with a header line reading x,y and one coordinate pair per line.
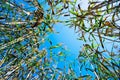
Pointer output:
x,y
26,24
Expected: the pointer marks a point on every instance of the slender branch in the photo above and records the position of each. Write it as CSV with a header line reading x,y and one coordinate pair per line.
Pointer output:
x,y
10,72
21,22
108,39
2,61
12,5
28,75
15,41
95,73
104,4
94,70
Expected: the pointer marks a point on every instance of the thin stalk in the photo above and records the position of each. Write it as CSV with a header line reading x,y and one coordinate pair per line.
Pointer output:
x,y
28,75
12,5
108,39
94,70
95,73
15,41
22,22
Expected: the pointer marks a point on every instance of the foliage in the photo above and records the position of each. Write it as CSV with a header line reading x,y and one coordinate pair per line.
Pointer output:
x,y
24,28
101,22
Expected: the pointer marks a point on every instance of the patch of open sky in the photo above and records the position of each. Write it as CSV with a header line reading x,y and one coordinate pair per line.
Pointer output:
x,y
68,37
83,4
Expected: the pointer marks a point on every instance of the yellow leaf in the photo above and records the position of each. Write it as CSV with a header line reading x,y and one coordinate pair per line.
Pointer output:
x,y
107,23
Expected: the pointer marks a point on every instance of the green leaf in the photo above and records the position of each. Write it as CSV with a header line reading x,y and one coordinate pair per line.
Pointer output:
x,y
73,12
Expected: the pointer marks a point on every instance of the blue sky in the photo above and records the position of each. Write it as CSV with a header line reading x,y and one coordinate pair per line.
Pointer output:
x,y
68,38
